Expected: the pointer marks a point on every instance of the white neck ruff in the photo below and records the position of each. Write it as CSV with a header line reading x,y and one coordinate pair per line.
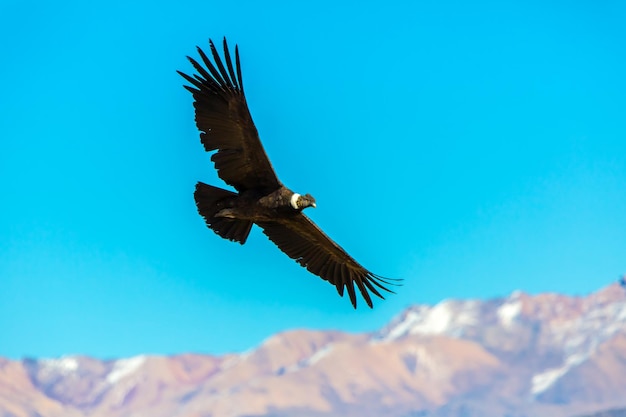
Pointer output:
x,y
294,201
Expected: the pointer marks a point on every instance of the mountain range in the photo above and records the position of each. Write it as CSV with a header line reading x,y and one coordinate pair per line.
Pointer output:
x,y
517,356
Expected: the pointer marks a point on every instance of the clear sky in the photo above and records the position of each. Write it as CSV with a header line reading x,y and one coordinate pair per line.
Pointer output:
x,y
470,148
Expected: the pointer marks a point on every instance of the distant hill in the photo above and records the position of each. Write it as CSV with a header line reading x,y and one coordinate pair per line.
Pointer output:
x,y
547,355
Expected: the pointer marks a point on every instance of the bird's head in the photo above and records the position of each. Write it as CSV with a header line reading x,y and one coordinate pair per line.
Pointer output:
x,y
300,202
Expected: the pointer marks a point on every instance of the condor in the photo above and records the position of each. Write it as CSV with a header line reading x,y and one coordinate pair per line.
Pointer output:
x,y
226,126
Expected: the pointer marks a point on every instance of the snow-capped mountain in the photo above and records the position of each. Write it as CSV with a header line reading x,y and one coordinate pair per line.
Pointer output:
x,y
564,331
523,355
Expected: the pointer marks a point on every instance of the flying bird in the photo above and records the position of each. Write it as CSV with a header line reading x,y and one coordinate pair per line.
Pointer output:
x,y
226,126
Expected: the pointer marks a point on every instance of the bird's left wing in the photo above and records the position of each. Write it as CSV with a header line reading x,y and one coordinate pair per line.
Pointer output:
x,y
307,244
223,117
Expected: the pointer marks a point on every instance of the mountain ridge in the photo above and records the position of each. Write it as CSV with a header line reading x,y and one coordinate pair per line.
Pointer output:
x,y
520,355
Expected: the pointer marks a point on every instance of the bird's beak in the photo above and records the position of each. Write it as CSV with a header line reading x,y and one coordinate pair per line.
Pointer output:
x,y
314,205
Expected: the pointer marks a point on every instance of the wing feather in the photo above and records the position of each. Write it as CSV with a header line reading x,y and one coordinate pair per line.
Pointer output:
x,y
218,61
219,81
364,293
229,63
345,278
300,239
350,288
204,76
238,68
225,123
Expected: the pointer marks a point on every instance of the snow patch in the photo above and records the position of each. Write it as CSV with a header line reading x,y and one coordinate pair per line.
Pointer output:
x,y
412,319
319,354
545,380
65,364
437,321
449,317
124,367
541,382
468,316
508,312
311,360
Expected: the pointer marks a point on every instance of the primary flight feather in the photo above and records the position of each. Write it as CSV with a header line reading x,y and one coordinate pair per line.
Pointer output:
x,y
223,118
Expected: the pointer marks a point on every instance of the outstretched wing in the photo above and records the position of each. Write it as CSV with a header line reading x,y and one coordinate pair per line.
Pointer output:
x,y
225,123
303,241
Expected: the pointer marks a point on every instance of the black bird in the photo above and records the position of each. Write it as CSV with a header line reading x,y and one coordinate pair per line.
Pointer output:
x,y
226,126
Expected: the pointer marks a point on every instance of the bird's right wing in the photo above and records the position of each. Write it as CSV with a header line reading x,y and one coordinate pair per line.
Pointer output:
x,y
223,117
307,244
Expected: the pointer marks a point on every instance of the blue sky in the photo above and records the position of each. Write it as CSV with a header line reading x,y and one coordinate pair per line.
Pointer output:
x,y
470,148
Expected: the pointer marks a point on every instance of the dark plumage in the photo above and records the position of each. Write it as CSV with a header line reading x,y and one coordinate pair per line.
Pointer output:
x,y
226,126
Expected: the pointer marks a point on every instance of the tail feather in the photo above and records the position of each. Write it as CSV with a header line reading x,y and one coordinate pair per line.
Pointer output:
x,y
210,200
